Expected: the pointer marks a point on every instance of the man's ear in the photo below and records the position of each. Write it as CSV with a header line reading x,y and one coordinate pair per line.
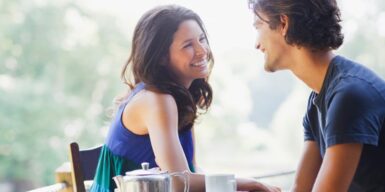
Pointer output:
x,y
284,24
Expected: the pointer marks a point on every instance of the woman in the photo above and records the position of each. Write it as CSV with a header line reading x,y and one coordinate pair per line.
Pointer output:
x,y
170,62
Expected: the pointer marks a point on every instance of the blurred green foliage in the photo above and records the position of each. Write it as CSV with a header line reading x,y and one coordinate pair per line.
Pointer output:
x,y
54,88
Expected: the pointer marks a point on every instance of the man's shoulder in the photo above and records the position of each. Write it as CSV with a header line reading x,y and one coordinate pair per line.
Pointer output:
x,y
356,79
358,87
355,89
349,70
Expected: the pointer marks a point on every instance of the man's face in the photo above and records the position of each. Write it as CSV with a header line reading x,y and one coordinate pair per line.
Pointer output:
x,y
271,42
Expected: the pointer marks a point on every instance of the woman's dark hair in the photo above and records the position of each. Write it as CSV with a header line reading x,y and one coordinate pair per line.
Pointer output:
x,y
314,24
151,43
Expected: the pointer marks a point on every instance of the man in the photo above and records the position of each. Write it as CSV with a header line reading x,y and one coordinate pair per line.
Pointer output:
x,y
344,125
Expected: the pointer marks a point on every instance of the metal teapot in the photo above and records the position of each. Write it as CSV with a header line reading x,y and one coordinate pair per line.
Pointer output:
x,y
148,180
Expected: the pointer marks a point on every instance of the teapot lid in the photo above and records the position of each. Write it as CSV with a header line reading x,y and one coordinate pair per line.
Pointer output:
x,y
145,171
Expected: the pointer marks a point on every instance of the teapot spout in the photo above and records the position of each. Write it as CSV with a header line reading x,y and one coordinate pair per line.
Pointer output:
x,y
119,182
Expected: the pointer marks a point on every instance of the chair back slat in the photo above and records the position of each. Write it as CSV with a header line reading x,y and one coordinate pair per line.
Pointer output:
x,y
84,164
89,160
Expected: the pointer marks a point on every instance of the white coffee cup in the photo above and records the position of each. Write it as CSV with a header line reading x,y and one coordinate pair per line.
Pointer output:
x,y
220,183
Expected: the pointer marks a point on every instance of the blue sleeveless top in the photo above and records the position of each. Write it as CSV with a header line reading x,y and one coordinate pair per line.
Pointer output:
x,y
125,151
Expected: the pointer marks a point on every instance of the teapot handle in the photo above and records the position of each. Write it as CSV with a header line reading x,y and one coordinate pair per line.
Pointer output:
x,y
185,176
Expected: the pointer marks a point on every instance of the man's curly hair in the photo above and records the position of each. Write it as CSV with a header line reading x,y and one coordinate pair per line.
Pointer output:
x,y
314,24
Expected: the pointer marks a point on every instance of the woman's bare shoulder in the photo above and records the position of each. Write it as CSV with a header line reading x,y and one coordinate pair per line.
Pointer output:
x,y
156,100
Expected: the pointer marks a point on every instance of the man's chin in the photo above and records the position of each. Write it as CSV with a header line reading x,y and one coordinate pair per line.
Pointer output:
x,y
269,69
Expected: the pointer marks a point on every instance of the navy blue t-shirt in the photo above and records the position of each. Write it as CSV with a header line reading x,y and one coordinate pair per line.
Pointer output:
x,y
350,108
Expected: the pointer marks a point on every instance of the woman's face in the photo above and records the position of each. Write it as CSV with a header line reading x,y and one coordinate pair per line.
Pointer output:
x,y
189,53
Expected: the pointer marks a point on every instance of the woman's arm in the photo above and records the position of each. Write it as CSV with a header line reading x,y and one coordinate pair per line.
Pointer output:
x,y
160,115
196,167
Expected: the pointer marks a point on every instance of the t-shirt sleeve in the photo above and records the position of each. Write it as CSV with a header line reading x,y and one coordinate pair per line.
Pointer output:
x,y
354,115
308,133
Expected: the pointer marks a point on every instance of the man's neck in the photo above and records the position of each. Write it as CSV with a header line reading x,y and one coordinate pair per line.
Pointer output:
x,y
311,67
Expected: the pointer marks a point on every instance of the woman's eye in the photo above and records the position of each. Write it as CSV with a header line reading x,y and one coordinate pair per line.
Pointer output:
x,y
202,39
187,45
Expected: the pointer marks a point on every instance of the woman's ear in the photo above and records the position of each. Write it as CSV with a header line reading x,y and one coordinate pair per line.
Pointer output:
x,y
164,61
284,24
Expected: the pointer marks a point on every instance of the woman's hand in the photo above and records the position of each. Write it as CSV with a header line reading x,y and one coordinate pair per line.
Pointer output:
x,y
248,184
268,188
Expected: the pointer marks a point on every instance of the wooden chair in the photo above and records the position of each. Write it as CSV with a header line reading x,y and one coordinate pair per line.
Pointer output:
x,y
83,165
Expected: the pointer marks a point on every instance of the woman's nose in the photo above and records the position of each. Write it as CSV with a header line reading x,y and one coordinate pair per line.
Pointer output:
x,y
201,50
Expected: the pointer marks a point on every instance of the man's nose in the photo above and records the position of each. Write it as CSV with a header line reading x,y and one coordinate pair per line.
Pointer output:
x,y
257,42
257,45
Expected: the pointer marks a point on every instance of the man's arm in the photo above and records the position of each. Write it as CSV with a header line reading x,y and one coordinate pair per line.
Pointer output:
x,y
308,168
338,167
